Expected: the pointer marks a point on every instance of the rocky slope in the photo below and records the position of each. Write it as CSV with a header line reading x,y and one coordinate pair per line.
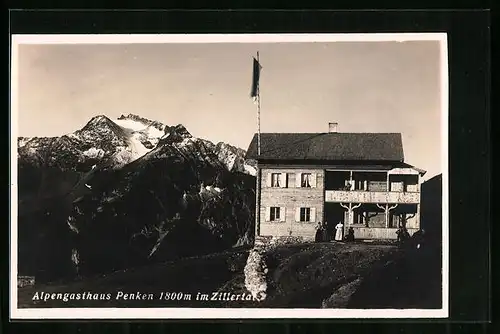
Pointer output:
x,y
123,193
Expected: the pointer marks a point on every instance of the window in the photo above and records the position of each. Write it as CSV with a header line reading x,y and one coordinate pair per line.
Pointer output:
x,y
275,213
305,214
397,186
412,187
305,180
275,180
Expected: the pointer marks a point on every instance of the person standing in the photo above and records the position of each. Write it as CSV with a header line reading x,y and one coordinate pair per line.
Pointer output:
x,y
350,235
319,233
418,238
325,232
339,231
403,235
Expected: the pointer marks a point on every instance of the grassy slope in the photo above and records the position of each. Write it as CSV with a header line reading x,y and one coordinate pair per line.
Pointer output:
x,y
303,276
191,275
412,281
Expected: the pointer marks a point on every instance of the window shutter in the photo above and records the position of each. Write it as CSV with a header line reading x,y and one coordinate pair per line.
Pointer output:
x,y
268,180
313,215
297,180
283,180
297,214
268,214
313,180
283,214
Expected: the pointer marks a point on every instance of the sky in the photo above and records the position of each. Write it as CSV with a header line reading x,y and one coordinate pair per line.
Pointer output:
x,y
363,86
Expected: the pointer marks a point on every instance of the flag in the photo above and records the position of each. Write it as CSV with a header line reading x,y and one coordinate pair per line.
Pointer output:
x,y
255,79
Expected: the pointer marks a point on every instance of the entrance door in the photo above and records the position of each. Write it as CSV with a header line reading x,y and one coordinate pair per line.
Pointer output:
x,y
334,214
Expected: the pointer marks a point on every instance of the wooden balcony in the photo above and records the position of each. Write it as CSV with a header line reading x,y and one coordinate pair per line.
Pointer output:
x,y
353,196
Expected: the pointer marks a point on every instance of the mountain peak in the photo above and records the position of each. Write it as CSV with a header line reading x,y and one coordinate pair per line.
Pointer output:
x,y
142,120
101,125
98,120
181,129
174,134
133,117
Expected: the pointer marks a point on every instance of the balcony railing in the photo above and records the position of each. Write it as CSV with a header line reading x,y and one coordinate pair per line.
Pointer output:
x,y
354,196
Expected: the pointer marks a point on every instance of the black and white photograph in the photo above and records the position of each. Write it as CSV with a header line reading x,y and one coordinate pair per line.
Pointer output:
x,y
229,176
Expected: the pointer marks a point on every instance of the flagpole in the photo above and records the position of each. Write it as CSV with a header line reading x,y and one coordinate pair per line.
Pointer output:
x,y
258,110
258,178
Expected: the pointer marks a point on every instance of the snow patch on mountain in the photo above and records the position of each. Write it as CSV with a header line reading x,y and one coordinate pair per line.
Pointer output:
x,y
22,141
142,136
94,153
250,169
208,192
140,127
228,158
233,158
138,148
213,189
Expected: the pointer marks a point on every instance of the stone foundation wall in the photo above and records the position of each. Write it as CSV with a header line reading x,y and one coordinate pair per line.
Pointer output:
x,y
281,240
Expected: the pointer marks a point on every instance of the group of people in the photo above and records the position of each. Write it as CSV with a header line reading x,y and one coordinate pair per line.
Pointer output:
x,y
403,236
322,233
416,240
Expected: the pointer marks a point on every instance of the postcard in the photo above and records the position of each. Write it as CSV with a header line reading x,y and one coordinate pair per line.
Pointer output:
x,y
233,176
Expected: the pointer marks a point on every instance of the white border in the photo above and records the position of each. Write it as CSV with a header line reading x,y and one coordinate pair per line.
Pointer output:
x,y
222,38
222,313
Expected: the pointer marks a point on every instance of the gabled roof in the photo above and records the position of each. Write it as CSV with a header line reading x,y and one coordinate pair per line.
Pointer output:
x,y
328,146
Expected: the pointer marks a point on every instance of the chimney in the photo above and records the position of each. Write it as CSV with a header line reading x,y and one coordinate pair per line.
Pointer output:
x,y
332,127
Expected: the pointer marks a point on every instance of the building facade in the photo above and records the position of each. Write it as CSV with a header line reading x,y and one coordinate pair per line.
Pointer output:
x,y
358,179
